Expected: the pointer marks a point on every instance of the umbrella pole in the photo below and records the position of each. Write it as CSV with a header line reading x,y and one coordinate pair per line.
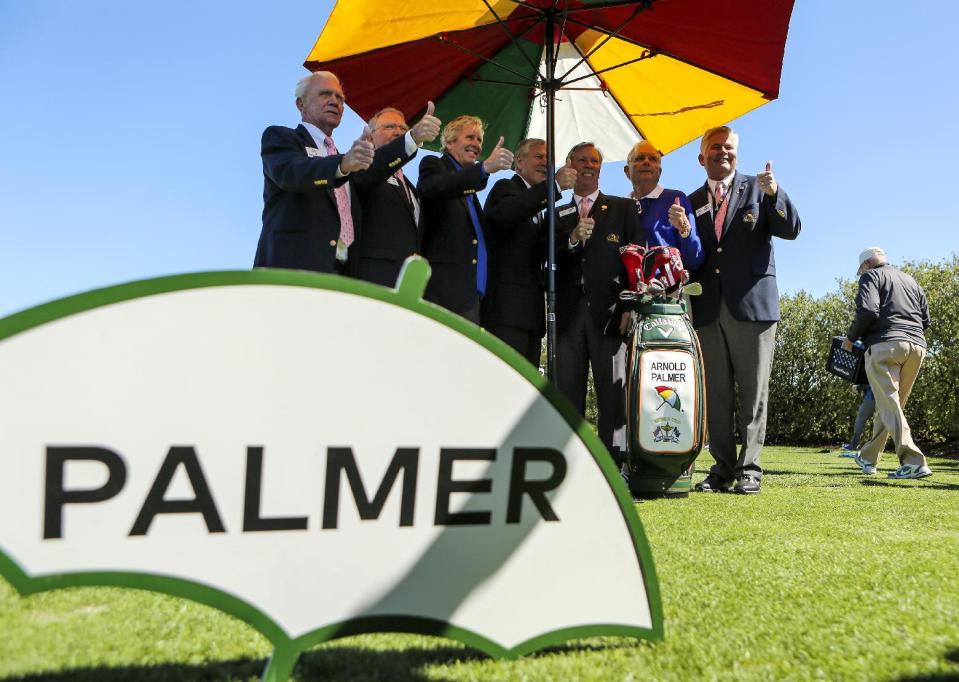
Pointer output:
x,y
549,89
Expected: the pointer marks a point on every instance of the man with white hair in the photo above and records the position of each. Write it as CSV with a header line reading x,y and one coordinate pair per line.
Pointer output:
x,y
665,215
309,220
891,315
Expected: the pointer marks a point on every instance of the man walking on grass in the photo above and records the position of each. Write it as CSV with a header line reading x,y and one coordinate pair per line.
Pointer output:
x,y
891,315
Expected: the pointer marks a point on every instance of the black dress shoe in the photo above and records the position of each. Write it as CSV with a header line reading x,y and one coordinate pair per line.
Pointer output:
x,y
713,484
747,485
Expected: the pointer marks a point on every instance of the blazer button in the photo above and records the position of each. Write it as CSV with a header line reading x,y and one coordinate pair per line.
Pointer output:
x,y
474,261
332,242
719,249
717,271
475,242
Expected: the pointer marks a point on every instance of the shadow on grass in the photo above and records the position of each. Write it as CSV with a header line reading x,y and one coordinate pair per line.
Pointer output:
x,y
333,664
952,657
927,483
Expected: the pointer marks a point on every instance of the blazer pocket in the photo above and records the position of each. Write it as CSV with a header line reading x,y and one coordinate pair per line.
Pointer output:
x,y
749,214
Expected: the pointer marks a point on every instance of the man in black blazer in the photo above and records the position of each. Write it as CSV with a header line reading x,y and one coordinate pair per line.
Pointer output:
x,y
391,205
736,217
308,218
589,277
514,308
455,235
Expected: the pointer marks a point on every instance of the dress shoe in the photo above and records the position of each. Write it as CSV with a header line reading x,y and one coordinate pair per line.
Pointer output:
x,y
746,485
713,484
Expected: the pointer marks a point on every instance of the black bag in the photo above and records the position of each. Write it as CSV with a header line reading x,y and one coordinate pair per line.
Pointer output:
x,y
846,364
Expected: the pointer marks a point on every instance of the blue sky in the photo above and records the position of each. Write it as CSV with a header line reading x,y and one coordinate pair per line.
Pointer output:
x,y
129,136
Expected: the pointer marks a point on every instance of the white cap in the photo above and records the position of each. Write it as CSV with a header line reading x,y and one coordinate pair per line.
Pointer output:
x,y
870,252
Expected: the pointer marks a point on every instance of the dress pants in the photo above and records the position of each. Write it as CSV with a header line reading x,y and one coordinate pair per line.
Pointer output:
x,y
737,353
526,343
892,368
580,346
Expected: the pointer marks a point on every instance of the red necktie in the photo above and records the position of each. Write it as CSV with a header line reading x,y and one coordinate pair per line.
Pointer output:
x,y
720,216
342,196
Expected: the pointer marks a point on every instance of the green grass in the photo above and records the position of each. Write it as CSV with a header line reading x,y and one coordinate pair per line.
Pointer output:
x,y
825,575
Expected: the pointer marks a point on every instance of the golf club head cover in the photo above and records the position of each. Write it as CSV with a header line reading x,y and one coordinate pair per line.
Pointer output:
x,y
632,256
664,264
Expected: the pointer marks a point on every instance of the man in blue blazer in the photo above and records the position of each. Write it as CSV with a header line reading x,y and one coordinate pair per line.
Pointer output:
x,y
309,218
455,233
736,217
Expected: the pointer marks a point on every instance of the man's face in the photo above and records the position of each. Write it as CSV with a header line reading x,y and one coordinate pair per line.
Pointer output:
x,y
645,169
720,157
531,166
389,126
322,104
587,163
467,146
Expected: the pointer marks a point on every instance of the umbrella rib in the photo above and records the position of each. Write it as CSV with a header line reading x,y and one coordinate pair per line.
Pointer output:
x,y
609,36
512,38
592,7
646,55
472,53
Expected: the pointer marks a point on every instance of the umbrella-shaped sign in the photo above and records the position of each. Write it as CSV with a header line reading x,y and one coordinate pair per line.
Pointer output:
x,y
607,71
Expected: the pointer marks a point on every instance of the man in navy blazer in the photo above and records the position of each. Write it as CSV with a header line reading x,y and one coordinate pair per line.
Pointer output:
x,y
737,216
302,214
589,278
515,309
455,234
391,205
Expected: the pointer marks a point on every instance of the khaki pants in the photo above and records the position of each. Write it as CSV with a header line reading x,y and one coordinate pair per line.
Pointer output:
x,y
892,368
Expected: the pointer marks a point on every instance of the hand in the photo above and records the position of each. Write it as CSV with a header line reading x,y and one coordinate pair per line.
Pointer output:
x,y
499,159
583,231
360,155
427,128
566,177
767,183
678,219
846,344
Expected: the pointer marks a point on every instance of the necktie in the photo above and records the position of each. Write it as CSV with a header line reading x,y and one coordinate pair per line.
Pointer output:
x,y
584,205
720,216
406,190
342,197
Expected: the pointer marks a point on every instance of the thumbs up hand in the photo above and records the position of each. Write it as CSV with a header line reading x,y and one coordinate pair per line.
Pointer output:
x,y
499,159
678,218
767,183
360,155
566,177
428,127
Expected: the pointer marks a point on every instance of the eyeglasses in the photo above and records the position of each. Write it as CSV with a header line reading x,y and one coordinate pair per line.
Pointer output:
x,y
394,126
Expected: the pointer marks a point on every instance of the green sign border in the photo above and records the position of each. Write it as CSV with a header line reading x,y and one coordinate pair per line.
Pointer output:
x,y
287,650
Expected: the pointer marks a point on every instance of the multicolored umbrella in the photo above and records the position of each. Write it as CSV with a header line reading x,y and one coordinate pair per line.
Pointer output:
x,y
663,70
608,71
670,397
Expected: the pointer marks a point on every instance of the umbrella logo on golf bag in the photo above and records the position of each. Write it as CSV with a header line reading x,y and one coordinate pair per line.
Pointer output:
x,y
669,397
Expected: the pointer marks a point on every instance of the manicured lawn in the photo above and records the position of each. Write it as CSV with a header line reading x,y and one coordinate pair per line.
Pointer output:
x,y
827,574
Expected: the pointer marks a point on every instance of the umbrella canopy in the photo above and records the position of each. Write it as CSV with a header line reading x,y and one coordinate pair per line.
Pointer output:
x,y
663,70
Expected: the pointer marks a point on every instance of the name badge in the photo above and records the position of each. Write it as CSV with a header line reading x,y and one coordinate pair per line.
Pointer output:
x,y
313,151
566,211
701,210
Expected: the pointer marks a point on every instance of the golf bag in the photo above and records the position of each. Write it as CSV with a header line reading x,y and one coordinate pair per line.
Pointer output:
x,y
665,387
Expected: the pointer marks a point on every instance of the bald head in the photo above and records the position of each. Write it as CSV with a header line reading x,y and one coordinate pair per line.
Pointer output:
x,y
643,168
